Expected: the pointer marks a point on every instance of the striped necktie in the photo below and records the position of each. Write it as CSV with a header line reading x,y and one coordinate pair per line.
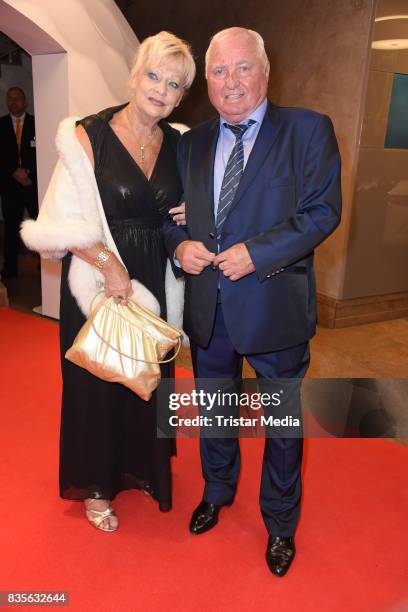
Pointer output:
x,y
232,175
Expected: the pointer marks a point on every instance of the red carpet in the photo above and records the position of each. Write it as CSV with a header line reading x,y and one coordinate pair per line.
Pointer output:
x,y
352,542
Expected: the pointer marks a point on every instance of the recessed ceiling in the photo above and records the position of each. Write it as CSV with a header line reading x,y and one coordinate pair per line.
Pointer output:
x,y
391,44
391,17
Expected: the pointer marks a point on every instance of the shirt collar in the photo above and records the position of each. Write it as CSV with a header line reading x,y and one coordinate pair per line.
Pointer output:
x,y
22,117
257,115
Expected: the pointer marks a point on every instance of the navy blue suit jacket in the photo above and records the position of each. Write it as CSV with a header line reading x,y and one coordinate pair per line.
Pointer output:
x,y
288,201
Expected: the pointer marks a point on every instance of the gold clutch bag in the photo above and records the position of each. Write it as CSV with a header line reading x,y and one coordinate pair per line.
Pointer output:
x,y
125,344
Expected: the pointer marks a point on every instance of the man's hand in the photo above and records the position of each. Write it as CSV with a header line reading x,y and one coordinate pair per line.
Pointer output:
x,y
21,176
235,262
179,214
193,256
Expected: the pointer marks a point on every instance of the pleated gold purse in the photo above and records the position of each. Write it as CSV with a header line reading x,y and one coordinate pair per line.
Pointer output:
x,y
125,344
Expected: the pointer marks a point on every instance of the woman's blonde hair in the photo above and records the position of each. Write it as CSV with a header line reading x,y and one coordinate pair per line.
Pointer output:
x,y
166,46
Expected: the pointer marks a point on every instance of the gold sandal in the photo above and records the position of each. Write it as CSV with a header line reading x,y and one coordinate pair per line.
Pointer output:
x,y
96,517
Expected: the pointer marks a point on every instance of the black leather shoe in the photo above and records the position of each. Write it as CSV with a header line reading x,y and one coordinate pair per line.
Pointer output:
x,y
205,517
280,553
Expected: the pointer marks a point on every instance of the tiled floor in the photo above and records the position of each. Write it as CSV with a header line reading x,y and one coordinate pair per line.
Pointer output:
x,y
375,350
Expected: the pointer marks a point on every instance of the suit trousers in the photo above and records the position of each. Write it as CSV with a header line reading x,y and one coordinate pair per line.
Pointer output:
x,y
280,489
14,203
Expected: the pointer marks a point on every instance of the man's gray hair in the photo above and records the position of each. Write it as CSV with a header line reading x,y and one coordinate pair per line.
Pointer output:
x,y
257,38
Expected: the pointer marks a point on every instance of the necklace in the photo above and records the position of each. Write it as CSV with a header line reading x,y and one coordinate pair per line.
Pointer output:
x,y
144,146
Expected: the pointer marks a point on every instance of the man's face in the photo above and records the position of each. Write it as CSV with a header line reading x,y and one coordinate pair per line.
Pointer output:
x,y
16,102
237,78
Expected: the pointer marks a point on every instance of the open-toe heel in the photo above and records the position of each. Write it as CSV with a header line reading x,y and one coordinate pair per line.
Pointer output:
x,y
97,517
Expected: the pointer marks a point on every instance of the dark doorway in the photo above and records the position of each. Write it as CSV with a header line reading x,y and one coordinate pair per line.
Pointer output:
x,y
24,289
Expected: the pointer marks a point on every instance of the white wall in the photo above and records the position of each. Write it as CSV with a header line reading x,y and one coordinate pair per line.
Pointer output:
x,y
97,38
50,73
82,51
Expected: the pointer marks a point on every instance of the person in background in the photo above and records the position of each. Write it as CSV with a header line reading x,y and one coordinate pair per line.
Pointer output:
x,y
18,175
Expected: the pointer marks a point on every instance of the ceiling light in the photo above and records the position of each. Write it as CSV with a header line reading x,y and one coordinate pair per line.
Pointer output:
x,y
391,17
392,43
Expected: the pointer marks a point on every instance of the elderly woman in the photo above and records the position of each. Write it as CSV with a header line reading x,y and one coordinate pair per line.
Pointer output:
x,y
115,183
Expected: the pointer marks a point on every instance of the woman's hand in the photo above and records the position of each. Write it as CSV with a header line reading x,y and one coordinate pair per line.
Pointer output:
x,y
179,214
117,281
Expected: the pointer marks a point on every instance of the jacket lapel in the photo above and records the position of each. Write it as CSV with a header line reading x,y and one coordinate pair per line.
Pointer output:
x,y
25,130
267,135
206,164
12,135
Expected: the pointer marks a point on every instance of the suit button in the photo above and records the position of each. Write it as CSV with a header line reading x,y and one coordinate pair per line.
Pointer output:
x,y
282,269
211,235
214,268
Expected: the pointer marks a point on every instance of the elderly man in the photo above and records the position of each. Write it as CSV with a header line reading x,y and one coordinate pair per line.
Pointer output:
x,y
18,175
262,190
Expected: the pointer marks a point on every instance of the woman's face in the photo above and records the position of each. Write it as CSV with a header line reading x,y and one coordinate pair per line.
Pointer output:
x,y
157,88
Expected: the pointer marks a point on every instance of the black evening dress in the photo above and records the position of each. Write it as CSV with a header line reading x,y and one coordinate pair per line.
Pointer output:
x,y
108,434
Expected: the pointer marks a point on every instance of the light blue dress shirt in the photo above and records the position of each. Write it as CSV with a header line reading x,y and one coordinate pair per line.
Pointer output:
x,y
226,142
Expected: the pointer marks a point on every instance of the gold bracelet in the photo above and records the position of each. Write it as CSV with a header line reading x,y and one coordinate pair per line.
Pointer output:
x,y
103,258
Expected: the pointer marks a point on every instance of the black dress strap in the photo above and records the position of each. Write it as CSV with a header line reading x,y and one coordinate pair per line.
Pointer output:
x,y
173,135
96,130
96,126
